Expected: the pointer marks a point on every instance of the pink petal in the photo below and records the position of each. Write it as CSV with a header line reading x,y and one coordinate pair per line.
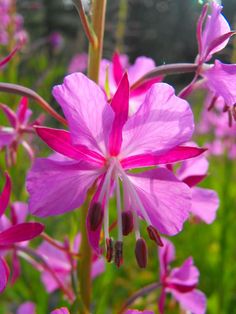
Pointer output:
x,y
16,267
55,186
5,195
120,106
20,211
216,26
176,154
221,80
49,281
162,122
78,63
194,301
10,114
166,255
26,308
205,203
98,267
193,167
60,141
62,310
118,70
87,112
138,312
21,232
166,200
185,275
141,66
4,274
22,109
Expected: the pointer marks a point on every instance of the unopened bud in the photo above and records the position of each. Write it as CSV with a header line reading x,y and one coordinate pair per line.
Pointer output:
x,y
141,253
95,216
109,248
154,235
118,253
127,222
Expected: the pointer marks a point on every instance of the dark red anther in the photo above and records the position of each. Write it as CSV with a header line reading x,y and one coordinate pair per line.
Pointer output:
x,y
109,247
141,253
154,235
230,118
127,222
95,216
234,112
118,253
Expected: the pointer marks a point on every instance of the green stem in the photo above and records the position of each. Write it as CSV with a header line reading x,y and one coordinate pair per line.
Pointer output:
x,y
95,52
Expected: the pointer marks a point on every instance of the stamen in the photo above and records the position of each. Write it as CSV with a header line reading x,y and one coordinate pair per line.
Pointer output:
x,y
234,112
118,253
154,235
95,215
119,214
230,118
127,222
141,253
109,249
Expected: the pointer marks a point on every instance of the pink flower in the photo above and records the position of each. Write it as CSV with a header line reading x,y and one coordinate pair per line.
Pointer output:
x,y
102,146
78,63
62,310
181,281
12,234
215,34
205,202
111,72
220,80
138,312
11,137
62,264
26,308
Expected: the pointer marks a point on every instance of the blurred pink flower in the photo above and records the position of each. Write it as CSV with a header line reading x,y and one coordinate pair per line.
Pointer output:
x,y
205,202
115,69
56,40
181,281
78,63
26,308
215,34
12,233
103,144
62,310
62,264
11,137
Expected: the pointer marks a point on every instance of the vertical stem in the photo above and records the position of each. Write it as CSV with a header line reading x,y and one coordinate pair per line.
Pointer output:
x,y
95,54
120,30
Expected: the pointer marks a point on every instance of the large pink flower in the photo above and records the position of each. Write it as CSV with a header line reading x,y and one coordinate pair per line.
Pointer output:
x,y
181,281
102,146
12,234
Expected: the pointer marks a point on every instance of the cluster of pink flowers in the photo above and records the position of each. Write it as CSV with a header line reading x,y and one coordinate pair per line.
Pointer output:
x,y
10,20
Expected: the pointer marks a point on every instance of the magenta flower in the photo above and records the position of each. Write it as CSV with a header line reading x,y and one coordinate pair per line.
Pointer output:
x,y
102,146
215,34
205,202
138,312
12,234
62,310
78,63
220,80
13,136
62,264
26,308
181,281
111,73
